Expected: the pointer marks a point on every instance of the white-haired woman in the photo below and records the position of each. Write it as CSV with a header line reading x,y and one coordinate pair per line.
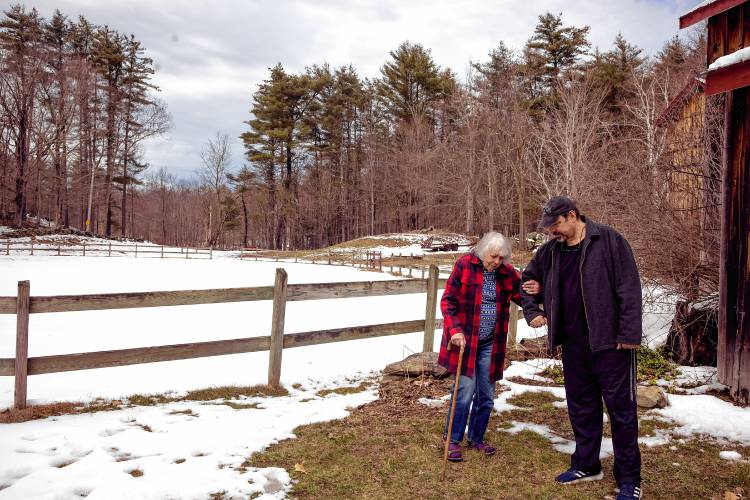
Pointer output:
x,y
475,308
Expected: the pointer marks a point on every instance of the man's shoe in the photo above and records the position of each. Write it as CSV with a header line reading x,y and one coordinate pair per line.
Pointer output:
x,y
629,491
573,476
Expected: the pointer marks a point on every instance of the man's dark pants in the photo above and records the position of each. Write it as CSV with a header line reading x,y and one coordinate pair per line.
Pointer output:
x,y
589,377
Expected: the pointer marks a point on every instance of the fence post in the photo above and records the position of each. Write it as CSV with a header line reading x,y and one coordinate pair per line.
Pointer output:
x,y
187,253
109,250
277,328
512,325
58,249
22,344
329,258
211,253
136,250
84,249
7,248
162,251
32,247
380,261
429,314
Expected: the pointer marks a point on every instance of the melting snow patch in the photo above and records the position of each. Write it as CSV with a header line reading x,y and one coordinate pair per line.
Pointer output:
x,y
435,403
702,414
730,455
559,443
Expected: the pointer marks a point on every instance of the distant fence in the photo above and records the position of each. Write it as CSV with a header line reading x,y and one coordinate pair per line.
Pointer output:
x,y
413,267
369,259
108,249
23,305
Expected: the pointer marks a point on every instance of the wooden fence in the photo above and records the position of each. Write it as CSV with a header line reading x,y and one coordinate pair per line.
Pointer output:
x,y
24,304
364,259
101,249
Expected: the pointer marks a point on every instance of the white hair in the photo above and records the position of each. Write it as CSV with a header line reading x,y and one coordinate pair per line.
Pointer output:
x,y
493,241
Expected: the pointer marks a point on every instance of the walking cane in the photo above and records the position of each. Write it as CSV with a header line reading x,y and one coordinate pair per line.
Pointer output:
x,y
453,411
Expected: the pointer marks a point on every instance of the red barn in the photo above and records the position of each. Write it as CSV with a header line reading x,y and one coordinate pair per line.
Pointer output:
x,y
728,59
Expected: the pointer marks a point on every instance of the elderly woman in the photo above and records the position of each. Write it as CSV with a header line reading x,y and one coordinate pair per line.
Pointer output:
x,y
475,308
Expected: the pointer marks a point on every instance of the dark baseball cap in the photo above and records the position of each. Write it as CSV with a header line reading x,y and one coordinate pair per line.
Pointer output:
x,y
555,207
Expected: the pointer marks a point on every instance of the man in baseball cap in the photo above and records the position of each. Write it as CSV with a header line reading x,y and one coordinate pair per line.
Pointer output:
x,y
586,278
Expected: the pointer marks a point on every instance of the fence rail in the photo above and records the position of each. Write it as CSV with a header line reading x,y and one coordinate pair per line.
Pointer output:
x,y
24,304
109,248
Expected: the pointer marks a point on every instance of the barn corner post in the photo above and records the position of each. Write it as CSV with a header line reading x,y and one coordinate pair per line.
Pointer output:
x,y
429,315
22,344
277,328
727,34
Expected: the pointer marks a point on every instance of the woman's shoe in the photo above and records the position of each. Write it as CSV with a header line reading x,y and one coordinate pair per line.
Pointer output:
x,y
483,447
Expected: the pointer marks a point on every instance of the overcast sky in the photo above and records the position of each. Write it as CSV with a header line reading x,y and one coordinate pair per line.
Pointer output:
x,y
210,55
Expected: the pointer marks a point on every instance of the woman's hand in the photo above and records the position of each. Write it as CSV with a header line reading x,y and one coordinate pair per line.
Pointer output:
x,y
532,287
458,340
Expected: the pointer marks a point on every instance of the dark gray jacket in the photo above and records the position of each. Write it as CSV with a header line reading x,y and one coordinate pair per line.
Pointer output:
x,y
610,285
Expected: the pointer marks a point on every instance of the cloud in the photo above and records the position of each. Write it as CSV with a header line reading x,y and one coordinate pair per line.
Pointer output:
x,y
210,56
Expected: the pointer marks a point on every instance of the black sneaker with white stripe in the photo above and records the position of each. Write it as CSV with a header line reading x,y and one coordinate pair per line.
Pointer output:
x,y
573,476
629,491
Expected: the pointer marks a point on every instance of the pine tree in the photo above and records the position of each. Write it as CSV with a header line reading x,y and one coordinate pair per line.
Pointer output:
x,y
412,84
136,73
108,55
613,69
22,53
56,34
552,53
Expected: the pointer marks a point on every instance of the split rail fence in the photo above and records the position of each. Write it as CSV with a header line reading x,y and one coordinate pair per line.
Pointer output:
x,y
101,249
24,304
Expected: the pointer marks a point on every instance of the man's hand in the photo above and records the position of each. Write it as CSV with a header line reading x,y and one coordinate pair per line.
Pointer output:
x,y
538,322
628,346
532,287
458,340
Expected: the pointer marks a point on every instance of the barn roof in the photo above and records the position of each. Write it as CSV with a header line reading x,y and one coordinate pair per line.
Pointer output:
x,y
669,115
729,72
706,9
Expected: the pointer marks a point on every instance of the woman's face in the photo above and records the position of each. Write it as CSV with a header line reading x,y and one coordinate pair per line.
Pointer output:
x,y
492,259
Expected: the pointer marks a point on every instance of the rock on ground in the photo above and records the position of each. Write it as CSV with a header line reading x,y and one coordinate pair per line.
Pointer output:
x,y
651,397
421,363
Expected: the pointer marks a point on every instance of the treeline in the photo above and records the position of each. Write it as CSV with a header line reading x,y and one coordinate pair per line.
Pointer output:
x,y
77,104
331,156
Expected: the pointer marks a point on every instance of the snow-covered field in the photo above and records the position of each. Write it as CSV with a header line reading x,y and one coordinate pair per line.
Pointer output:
x,y
193,449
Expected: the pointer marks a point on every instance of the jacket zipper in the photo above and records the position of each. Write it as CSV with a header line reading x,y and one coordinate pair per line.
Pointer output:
x,y
552,305
583,294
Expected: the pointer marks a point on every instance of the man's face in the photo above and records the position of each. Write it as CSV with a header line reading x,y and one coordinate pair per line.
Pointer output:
x,y
564,228
492,260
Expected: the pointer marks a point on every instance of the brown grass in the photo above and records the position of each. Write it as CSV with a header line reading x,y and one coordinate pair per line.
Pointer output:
x,y
391,448
35,412
363,386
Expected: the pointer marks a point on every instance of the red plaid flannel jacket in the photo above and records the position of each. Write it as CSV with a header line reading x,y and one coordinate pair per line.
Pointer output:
x,y
461,303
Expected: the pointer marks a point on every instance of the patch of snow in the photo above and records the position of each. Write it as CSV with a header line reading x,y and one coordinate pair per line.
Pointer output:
x,y
736,57
435,403
182,449
526,369
702,414
558,443
658,313
701,5
730,455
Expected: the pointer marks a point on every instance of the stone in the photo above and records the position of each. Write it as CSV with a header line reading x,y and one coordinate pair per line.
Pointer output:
x,y
421,363
651,397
